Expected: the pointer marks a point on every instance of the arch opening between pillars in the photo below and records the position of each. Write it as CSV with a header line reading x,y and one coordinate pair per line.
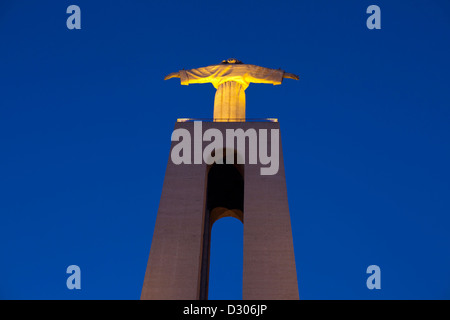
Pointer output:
x,y
224,198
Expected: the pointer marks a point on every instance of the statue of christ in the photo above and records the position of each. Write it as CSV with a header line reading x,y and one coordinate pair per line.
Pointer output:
x,y
231,78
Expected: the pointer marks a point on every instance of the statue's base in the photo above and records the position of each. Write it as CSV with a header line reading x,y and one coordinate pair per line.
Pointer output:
x,y
195,191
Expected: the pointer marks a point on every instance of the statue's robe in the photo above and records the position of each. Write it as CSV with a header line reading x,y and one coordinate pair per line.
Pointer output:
x,y
231,80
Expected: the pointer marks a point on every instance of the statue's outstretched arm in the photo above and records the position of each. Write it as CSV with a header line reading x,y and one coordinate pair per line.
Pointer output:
x,y
172,75
291,76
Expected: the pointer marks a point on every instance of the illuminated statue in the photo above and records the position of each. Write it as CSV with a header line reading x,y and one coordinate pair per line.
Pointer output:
x,y
231,78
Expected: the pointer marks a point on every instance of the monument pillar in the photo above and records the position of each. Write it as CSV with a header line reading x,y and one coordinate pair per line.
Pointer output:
x,y
176,265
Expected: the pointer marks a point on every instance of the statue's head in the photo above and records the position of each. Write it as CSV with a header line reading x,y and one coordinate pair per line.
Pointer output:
x,y
231,61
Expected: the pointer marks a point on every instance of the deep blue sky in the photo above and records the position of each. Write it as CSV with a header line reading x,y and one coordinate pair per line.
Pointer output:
x,y
86,119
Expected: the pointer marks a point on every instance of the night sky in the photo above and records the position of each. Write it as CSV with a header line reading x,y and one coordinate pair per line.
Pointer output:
x,y
86,120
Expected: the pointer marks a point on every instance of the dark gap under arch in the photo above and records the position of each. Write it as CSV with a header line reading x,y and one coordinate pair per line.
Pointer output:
x,y
224,198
